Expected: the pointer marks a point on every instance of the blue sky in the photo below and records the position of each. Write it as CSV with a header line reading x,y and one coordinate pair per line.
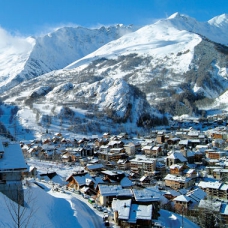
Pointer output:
x,y
31,17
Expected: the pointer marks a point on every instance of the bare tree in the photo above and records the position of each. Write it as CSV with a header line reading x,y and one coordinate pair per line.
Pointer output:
x,y
21,206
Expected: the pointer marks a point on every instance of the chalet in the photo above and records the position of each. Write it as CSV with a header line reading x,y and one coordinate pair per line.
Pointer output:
x,y
119,150
147,196
189,155
145,180
113,176
218,135
184,143
178,182
220,173
129,214
94,168
106,193
191,173
178,169
147,150
114,156
160,170
182,204
30,172
214,154
215,189
155,151
137,211
175,158
115,144
104,148
130,149
198,156
173,141
123,135
106,135
160,137
12,166
196,195
99,142
171,194
193,134
123,164
66,157
143,165
80,179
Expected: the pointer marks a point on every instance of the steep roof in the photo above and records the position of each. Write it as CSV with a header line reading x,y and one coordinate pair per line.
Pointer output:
x,y
182,198
13,158
177,155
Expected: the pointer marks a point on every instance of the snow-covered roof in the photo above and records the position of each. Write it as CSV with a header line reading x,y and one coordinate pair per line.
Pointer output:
x,y
111,173
196,194
214,185
177,155
95,166
172,192
193,133
123,207
125,182
114,142
182,198
131,212
143,160
224,187
109,190
143,212
177,178
184,142
178,166
145,195
147,148
81,179
13,158
125,192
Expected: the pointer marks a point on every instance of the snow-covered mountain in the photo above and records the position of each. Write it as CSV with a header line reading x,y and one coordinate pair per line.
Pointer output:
x,y
24,59
173,67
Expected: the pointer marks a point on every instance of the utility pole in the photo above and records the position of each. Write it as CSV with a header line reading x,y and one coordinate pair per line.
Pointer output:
x,y
182,225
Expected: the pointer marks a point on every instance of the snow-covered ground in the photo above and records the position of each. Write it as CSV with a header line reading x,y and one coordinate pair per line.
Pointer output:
x,y
67,209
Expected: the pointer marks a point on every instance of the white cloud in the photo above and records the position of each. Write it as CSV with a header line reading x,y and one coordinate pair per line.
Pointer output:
x,y
15,43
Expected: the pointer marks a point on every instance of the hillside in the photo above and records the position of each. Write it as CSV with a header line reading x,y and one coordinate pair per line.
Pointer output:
x,y
140,80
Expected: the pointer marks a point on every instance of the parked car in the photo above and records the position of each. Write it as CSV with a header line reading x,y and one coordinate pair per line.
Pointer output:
x,y
62,191
91,200
99,208
105,217
85,196
77,192
106,223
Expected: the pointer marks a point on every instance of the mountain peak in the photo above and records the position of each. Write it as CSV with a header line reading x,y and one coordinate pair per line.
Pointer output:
x,y
177,15
219,21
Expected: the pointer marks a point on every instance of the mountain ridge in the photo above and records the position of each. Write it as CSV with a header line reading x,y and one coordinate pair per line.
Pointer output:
x,y
139,80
